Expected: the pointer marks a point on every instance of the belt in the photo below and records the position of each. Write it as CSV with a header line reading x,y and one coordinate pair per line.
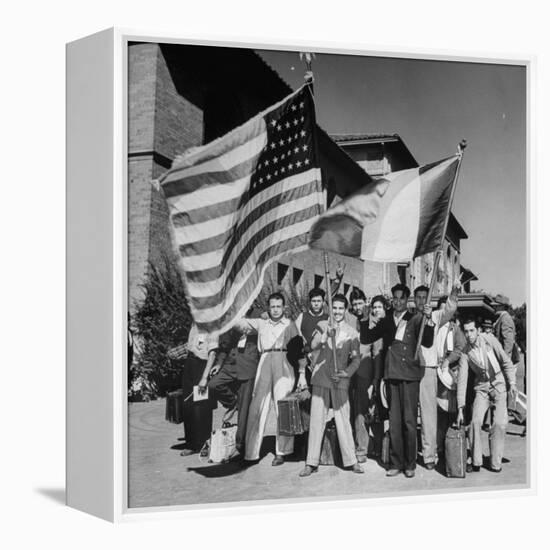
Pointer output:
x,y
273,349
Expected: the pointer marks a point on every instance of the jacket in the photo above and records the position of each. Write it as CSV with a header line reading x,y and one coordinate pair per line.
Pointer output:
x,y
347,355
505,331
400,362
497,373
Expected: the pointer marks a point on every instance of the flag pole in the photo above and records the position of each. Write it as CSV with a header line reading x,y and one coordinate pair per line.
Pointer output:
x,y
308,77
461,146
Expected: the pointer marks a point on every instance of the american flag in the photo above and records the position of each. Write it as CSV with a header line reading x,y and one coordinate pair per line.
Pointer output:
x,y
239,203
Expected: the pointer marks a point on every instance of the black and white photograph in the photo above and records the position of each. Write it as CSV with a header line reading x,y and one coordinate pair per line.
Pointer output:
x,y
327,275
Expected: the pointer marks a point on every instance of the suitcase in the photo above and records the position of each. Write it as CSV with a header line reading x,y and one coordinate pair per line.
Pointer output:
x,y
330,448
174,407
289,417
519,412
455,452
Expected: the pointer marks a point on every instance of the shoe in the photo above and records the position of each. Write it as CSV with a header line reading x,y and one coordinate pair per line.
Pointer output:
x,y
471,468
308,470
409,473
361,459
495,470
233,457
429,465
392,472
188,452
278,460
356,469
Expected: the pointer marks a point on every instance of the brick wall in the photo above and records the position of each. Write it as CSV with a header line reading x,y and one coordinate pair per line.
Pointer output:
x,y
142,61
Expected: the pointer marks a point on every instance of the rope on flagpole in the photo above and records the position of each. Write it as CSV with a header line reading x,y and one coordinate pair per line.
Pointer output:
x,y
460,153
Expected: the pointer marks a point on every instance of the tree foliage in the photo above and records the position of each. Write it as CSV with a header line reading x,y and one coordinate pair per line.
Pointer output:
x,y
161,322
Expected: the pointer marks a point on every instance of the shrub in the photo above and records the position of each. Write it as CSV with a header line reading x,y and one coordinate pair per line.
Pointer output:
x,y
161,322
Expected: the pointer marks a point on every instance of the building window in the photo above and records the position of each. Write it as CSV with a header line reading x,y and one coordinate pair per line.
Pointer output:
x,y
402,273
346,289
296,275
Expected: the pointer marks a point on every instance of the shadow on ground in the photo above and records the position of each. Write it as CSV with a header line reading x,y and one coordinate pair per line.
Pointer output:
x,y
56,494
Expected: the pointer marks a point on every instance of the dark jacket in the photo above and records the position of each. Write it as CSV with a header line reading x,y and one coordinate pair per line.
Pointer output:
x,y
239,361
400,362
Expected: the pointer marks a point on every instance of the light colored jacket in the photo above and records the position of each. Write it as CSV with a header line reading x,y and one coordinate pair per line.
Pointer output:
x,y
497,372
347,355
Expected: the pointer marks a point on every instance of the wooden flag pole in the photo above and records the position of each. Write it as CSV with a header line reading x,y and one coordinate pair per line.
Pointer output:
x,y
461,146
308,57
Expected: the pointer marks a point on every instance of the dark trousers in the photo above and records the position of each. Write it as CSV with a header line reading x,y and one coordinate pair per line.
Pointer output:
x,y
197,415
360,404
232,392
403,423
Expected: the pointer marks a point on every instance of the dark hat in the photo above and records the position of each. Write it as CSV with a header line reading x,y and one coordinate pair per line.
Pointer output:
x,y
500,299
487,323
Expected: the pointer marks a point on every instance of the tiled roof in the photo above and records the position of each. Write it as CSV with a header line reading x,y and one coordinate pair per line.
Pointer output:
x,y
362,137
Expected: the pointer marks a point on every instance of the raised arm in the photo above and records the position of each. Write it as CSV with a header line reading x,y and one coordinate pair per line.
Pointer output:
x,y
451,305
247,325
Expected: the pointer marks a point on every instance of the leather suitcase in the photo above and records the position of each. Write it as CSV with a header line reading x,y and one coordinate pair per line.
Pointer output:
x,y
455,452
330,448
289,417
174,407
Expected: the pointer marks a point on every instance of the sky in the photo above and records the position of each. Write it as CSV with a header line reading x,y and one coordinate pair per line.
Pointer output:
x,y
432,105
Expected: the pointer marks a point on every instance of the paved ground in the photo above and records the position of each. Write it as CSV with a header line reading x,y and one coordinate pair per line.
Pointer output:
x,y
159,476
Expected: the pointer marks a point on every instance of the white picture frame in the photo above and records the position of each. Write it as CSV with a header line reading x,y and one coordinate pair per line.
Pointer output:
x,y
97,270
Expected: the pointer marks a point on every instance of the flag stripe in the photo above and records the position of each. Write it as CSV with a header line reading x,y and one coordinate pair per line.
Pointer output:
x,y
209,322
193,183
211,156
200,290
212,274
283,192
210,195
218,236
219,174
235,238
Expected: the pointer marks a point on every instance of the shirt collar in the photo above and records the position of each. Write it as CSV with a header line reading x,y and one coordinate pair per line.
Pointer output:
x,y
279,321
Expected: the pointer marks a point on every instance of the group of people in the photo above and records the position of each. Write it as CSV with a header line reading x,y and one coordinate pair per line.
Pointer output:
x,y
348,368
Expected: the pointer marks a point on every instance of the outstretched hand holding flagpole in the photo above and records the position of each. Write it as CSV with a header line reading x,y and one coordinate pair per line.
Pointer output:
x,y
460,153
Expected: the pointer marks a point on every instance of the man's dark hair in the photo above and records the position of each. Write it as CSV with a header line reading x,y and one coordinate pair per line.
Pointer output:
x,y
421,288
357,294
313,293
442,300
471,319
276,296
380,299
340,298
403,288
